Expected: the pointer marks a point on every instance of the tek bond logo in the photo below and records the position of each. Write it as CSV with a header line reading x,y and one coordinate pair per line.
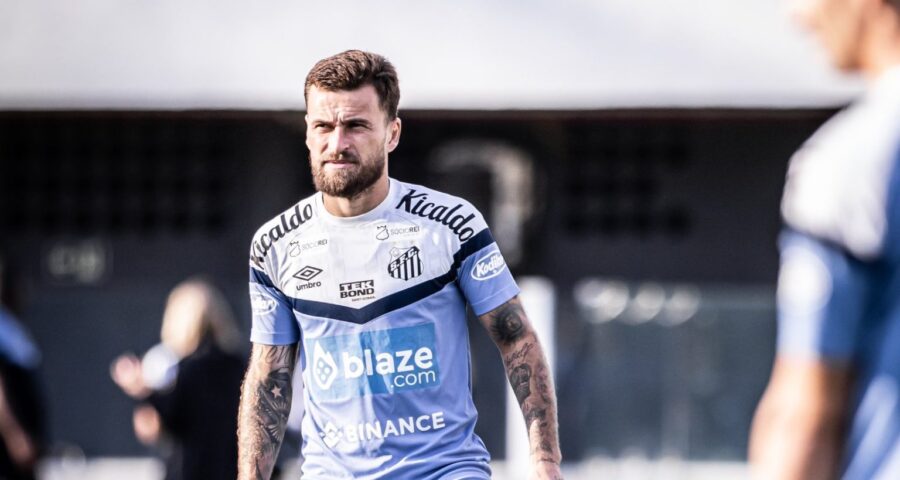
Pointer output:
x,y
356,291
372,363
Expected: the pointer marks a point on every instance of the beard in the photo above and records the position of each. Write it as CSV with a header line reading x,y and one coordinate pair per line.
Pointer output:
x,y
347,182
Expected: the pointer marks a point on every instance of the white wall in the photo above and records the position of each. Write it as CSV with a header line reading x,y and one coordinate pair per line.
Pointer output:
x,y
562,54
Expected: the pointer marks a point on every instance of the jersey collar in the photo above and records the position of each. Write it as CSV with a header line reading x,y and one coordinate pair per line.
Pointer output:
x,y
373,214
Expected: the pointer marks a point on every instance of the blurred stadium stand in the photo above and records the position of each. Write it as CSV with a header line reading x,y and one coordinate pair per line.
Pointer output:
x,y
110,209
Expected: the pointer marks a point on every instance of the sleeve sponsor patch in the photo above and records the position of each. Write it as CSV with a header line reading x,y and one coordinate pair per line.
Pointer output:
x,y
488,266
261,304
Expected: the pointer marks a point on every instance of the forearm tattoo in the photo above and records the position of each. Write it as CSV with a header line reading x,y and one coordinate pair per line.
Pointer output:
x,y
507,324
520,379
529,376
265,405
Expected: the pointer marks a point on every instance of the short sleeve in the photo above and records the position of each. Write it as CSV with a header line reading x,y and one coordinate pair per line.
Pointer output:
x,y
273,318
483,275
822,298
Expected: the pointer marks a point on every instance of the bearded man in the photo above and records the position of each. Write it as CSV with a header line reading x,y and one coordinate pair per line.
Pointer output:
x,y
367,282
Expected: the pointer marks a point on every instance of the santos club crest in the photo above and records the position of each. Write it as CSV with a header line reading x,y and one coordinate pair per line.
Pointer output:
x,y
406,263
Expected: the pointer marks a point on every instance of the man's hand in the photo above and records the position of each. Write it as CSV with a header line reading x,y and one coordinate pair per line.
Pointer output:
x,y
126,372
147,424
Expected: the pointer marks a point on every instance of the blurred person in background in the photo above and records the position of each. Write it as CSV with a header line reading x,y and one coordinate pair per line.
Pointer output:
x,y
832,406
189,385
21,401
368,281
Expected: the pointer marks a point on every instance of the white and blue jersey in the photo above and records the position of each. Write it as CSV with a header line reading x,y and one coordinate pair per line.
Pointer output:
x,y
378,304
839,284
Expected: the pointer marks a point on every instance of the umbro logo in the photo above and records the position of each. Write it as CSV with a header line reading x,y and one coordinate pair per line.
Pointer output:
x,y
307,273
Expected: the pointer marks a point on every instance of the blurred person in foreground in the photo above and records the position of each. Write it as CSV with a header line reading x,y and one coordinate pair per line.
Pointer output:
x,y
832,406
189,385
368,281
21,405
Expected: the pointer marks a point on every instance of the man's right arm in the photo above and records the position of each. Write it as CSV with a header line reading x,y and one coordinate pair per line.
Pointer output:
x,y
799,430
265,405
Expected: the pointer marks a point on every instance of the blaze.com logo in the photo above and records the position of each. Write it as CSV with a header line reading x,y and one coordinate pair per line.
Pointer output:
x,y
376,362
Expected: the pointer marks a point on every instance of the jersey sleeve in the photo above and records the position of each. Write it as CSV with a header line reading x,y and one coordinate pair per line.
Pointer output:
x,y
483,276
839,183
273,318
822,297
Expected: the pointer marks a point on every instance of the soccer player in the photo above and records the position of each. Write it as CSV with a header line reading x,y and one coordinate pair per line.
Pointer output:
x,y
832,406
367,283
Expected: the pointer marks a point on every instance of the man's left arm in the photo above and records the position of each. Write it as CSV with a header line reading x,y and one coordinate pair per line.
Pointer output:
x,y
530,378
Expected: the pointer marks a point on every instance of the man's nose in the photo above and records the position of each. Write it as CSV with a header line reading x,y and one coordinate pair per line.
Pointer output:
x,y
338,141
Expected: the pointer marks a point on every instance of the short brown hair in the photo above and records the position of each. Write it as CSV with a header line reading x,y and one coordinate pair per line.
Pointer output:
x,y
353,69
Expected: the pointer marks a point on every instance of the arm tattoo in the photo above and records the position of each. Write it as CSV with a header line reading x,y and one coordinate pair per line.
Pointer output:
x,y
274,404
533,414
506,322
520,379
528,376
519,354
265,405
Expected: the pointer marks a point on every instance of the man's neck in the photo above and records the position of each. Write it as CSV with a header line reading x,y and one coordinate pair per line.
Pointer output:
x,y
360,204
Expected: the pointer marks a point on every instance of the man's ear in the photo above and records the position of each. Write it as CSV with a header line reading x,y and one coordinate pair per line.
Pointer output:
x,y
394,128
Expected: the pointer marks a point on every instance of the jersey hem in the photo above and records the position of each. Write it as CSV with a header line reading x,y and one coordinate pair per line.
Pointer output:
x,y
466,474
